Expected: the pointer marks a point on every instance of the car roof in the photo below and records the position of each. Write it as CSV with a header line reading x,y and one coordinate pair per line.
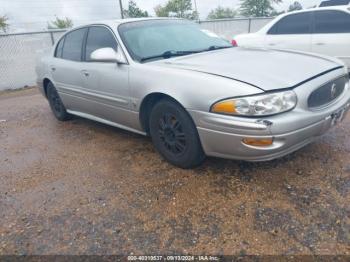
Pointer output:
x,y
334,3
345,8
335,7
116,22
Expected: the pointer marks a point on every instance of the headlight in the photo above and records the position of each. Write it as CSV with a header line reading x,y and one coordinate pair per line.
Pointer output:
x,y
257,105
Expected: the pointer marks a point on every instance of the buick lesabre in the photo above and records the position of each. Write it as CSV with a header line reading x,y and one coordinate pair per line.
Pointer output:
x,y
192,92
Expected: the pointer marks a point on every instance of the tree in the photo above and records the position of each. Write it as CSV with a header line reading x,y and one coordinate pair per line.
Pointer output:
x,y
177,8
258,8
295,6
277,13
134,11
60,23
221,12
3,23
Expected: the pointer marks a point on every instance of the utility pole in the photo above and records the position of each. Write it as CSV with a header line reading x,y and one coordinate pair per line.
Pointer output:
x,y
121,9
195,7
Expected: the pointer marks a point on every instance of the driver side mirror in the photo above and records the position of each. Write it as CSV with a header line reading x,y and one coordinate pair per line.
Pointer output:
x,y
107,54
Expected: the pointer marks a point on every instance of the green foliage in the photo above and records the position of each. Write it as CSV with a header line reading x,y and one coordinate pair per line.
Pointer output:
x,y
258,8
277,13
295,6
3,23
134,11
222,12
177,8
60,23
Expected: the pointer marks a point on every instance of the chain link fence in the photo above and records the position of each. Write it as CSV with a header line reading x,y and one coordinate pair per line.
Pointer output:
x,y
228,28
18,52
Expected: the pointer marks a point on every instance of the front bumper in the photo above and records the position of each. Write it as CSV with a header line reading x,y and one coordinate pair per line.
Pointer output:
x,y
230,145
222,136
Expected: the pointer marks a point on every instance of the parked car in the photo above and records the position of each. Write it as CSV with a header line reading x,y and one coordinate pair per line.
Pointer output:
x,y
323,30
192,92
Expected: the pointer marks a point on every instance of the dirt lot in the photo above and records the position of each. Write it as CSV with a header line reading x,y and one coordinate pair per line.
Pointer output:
x,y
81,187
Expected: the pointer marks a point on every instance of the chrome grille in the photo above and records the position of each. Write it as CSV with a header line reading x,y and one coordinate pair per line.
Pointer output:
x,y
327,93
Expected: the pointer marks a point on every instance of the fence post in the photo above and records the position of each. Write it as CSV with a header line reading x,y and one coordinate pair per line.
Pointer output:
x,y
249,24
52,39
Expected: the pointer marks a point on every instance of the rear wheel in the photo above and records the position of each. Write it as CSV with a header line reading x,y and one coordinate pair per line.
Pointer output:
x,y
175,135
56,104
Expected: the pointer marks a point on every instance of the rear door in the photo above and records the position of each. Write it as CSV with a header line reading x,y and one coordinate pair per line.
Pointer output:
x,y
291,32
332,34
106,84
66,68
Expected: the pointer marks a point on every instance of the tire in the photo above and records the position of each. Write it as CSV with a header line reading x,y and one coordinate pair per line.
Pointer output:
x,y
56,104
174,135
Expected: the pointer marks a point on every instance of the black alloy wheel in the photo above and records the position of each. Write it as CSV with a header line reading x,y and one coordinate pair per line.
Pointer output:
x,y
174,134
56,104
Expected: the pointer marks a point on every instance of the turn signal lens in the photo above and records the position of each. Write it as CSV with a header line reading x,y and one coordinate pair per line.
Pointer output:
x,y
258,141
224,107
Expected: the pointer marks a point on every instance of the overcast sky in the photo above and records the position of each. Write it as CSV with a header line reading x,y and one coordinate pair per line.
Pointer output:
x,y
27,15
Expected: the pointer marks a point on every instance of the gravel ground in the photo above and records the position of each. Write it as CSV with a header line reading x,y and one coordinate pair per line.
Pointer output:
x,y
81,187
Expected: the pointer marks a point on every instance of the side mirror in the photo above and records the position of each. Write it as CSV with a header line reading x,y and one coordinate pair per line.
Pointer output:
x,y
107,54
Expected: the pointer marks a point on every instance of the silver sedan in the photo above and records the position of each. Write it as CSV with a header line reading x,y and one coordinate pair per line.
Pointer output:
x,y
191,91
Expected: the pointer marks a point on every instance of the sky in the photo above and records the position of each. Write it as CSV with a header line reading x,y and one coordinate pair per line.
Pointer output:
x,y
29,15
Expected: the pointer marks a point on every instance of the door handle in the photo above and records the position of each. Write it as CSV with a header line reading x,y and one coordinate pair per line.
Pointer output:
x,y
53,69
85,73
320,43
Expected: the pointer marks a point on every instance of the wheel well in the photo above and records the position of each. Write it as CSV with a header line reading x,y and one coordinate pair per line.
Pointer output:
x,y
46,82
146,107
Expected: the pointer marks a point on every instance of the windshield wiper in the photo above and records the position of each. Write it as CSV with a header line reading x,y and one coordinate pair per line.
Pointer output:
x,y
217,47
168,54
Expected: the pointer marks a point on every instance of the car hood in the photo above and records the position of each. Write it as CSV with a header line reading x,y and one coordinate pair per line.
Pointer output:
x,y
262,68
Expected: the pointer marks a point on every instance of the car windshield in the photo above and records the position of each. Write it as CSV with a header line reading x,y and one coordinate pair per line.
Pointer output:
x,y
160,39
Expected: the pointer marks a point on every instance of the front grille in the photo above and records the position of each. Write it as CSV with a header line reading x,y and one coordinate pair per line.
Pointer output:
x,y
328,92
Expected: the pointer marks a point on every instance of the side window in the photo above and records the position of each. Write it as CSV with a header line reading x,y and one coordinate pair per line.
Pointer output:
x,y
99,37
73,45
59,48
327,22
334,3
292,24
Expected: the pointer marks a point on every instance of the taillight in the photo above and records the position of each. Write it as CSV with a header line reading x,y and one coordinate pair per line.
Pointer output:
x,y
234,43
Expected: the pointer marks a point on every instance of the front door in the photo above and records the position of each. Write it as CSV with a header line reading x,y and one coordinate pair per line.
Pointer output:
x,y
106,84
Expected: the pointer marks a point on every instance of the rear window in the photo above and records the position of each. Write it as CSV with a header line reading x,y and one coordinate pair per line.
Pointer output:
x,y
328,21
72,48
293,24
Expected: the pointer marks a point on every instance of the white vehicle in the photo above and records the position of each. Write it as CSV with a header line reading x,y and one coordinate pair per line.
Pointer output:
x,y
323,30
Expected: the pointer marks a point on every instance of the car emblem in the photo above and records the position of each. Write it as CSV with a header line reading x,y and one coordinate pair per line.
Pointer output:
x,y
333,91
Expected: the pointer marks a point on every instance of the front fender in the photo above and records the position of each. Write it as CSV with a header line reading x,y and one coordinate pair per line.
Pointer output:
x,y
193,90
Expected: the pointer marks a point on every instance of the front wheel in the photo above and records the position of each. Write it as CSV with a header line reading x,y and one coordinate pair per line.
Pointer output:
x,y
174,135
56,104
